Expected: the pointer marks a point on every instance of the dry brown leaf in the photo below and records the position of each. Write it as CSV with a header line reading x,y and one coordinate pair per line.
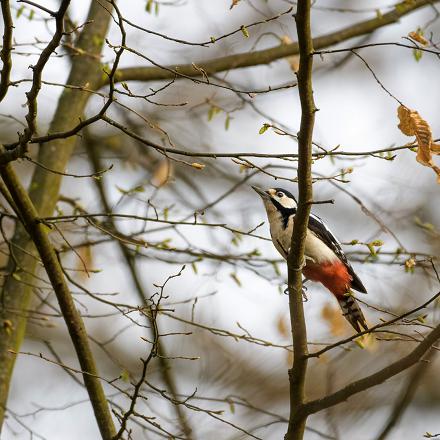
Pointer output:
x,y
234,3
405,125
294,59
412,124
417,36
334,319
285,39
282,326
294,62
339,325
162,173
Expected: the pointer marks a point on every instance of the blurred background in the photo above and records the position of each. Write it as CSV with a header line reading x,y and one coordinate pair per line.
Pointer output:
x,y
224,320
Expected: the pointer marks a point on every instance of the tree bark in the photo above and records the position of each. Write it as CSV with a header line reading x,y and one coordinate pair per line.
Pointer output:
x,y
38,233
44,189
295,261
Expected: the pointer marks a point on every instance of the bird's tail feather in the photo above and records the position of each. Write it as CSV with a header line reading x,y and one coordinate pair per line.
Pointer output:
x,y
352,312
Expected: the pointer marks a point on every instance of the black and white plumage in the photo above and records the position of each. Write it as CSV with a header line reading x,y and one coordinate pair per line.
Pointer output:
x,y
320,229
325,260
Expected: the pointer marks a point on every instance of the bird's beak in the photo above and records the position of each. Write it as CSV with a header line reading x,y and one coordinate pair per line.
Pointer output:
x,y
263,194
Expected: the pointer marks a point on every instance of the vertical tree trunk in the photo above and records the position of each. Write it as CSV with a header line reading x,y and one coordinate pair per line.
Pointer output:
x,y
44,188
295,261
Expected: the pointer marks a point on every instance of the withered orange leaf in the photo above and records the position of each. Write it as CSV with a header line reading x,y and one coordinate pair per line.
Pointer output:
x,y
283,326
405,126
162,173
294,59
417,36
234,3
412,124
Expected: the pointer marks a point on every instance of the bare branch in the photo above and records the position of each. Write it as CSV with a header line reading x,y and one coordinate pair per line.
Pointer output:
x,y
406,395
5,54
376,378
159,348
267,56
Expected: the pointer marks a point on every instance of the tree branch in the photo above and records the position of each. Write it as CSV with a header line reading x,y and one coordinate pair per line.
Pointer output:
x,y
165,369
266,56
44,188
405,398
5,54
75,325
295,260
376,378
32,95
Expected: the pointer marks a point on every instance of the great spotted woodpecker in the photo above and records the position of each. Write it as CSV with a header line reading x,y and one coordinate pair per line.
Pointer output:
x,y
325,261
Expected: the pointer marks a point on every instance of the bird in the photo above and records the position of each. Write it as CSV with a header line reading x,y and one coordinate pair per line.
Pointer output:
x,y
325,261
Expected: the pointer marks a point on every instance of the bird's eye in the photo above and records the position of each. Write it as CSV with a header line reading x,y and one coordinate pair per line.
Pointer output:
x,y
280,194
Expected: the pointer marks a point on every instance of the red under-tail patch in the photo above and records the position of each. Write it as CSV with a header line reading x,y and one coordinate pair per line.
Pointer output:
x,y
333,275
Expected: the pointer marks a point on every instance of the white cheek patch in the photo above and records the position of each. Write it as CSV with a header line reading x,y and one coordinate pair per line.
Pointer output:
x,y
287,202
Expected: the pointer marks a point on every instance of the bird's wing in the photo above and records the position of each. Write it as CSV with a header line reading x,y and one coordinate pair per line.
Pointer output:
x,y
320,229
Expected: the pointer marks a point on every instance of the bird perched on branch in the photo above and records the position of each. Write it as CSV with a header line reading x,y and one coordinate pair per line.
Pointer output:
x,y
325,261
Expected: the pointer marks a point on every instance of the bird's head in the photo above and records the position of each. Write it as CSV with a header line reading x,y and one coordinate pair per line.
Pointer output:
x,y
276,199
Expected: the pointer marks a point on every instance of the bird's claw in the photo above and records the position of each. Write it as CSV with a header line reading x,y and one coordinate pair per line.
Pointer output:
x,y
304,295
303,292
